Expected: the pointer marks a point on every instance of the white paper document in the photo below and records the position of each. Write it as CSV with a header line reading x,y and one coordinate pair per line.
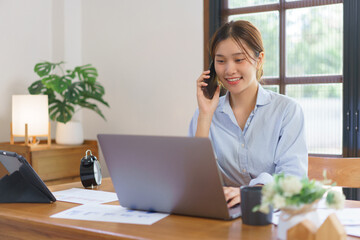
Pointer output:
x,y
353,230
85,196
110,213
347,216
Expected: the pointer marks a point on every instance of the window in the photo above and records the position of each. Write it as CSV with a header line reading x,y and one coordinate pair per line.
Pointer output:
x,y
303,43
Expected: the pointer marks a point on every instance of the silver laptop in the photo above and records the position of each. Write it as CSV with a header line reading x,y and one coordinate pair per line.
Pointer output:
x,y
177,175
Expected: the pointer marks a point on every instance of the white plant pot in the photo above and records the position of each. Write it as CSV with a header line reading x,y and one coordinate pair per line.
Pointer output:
x,y
285,223
70,133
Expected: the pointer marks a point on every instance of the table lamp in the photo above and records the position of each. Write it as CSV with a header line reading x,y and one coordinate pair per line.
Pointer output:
x,y
30,118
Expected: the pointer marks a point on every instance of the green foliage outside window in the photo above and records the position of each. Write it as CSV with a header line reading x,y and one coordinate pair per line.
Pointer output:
x,y
313,45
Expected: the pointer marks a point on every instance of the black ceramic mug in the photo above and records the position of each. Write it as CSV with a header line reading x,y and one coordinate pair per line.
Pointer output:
x,y
251,197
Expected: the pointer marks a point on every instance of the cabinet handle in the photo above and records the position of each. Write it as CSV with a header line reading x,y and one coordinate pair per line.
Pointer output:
x,y
348,120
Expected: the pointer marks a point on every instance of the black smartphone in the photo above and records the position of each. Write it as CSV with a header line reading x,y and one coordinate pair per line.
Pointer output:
x,y
210,89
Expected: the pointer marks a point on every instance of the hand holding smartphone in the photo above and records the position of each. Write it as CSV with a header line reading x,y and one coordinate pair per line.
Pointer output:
x,y
210,89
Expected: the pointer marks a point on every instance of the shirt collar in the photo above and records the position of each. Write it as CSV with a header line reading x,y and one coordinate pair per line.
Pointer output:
x,y
224,103
263,98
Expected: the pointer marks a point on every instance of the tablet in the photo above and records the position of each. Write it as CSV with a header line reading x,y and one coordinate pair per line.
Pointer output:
x,y
19,182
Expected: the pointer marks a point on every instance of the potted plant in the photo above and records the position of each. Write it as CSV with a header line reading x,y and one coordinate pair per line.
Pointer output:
x,y
67,90
297,200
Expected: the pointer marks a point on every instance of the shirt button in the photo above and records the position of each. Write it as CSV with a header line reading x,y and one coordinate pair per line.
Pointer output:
x,y
244,170
242,145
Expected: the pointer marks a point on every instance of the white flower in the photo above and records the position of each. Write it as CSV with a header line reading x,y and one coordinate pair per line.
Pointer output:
x,y
279,201
291,185
268,191
319,184
335,199
264,208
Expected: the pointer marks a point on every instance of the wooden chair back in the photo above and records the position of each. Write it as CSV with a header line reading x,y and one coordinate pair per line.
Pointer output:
x,y
344,171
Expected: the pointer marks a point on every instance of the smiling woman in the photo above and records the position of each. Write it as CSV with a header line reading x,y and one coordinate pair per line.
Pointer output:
x,y
255,132
305,43
237,69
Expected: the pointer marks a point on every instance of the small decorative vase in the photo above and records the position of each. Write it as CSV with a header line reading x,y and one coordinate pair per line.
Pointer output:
x,y
291,216
70,133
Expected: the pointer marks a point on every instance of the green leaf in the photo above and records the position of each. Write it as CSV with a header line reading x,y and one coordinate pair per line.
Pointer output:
x,y
91,106
87,95
56,83
256,208
61,111
95,88
48,81
44,68
87,73
73,93
51,96
330,198
37,88
93,91
72,74
61,84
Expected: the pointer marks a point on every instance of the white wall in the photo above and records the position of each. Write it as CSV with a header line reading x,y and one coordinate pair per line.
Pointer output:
x,y
148,54
25,38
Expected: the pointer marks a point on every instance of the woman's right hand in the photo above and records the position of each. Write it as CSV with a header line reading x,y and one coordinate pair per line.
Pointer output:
x,y
207,106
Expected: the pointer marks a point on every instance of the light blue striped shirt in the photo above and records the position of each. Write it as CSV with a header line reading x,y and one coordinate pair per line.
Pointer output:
x,y
273,140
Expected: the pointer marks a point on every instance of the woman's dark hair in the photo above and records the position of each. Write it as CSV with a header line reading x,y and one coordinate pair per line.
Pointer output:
x,y
241,32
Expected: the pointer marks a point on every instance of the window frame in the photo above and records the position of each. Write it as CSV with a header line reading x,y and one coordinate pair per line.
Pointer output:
x,y
281,6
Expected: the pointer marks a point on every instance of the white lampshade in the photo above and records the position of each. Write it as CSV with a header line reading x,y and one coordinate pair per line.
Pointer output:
x,y
31,110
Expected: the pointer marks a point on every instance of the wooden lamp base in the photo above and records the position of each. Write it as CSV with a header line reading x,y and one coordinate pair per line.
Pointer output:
x,y
27,135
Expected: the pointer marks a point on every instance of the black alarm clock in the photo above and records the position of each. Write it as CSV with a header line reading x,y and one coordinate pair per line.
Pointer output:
x,y
90,171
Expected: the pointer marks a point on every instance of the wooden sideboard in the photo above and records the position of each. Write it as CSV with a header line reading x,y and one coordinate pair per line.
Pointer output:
x,y
55,163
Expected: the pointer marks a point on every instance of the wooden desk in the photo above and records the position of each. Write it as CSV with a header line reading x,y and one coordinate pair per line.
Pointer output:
x,y
32,221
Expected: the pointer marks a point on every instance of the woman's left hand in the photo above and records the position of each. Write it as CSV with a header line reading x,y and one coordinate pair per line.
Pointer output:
x,y
232,196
